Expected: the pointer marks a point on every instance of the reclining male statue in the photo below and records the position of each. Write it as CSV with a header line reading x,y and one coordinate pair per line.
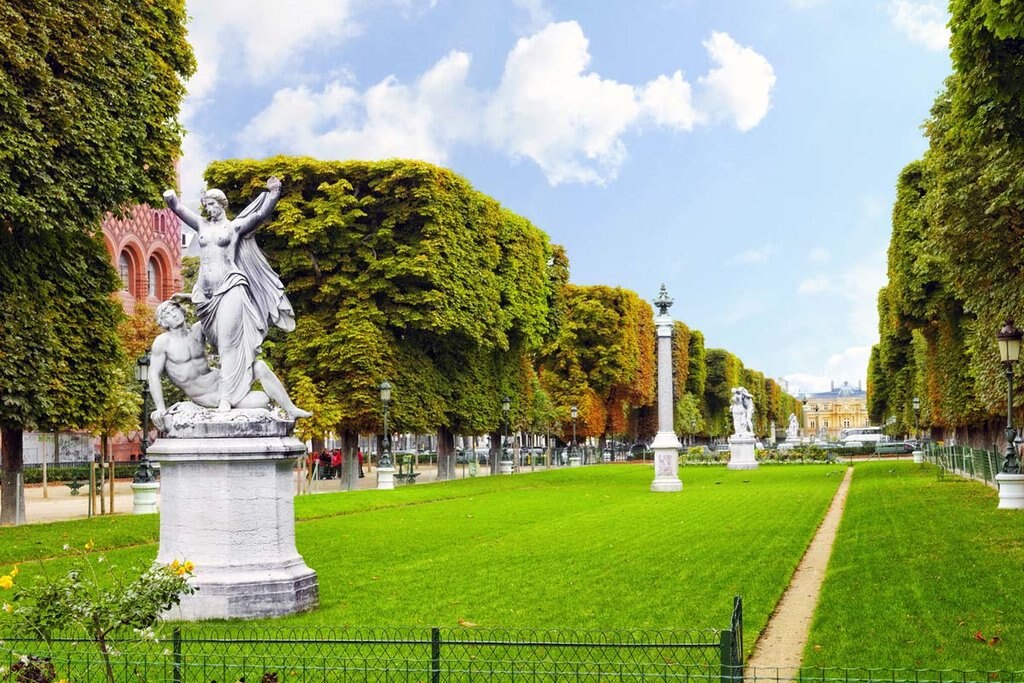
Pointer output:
x,y
181,352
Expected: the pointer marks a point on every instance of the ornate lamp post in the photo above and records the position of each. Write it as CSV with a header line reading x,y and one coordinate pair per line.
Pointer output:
x,y
385,398
506,457
574,412
142,375
1009,353
1010,479
917,417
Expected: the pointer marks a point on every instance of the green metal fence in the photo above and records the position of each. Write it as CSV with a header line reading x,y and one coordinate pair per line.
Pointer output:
x,y
203,653
968,462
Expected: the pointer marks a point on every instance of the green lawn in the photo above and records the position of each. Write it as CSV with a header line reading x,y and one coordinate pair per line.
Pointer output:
x,y
925,573
585,548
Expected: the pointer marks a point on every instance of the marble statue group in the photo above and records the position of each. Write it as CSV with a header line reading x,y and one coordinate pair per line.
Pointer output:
x,y
742,409
236,298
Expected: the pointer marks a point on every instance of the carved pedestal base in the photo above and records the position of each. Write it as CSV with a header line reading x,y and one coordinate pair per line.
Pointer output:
x,y
385,478
227,506
1011,491
741,449
144,498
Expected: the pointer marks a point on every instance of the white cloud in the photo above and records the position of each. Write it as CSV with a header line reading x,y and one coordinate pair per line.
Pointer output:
x,y
849,365
740,86
922,21
548,107
387,120
814,285
669,102
750,256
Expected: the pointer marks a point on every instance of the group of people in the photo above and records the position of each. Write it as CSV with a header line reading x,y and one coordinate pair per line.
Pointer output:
x,y
326,464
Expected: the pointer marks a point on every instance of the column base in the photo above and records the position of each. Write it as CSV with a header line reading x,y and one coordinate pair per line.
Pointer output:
x,y
505,467
918,456
666,463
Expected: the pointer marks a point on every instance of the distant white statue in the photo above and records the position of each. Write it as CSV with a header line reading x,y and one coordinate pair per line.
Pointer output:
x,y
793,430
742,408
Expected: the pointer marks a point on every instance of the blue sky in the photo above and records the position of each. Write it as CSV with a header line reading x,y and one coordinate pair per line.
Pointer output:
x,y
743,152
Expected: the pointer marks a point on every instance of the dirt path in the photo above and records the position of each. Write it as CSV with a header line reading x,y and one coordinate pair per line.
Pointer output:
x,y
780,648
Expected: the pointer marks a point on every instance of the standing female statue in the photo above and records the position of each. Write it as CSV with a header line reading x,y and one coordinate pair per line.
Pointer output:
x,y
237,295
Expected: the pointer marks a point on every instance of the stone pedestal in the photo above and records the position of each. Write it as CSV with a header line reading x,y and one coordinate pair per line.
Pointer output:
x,y
574,461
918,456
144,498
1011,491
227,506
741,449
666,463
505,467
385,478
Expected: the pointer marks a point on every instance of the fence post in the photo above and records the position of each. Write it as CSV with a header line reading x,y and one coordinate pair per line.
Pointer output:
x,y
435,655
176,657
725,654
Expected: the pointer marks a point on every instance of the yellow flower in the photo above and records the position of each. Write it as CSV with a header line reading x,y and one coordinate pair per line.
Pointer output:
x,y
8,607
6,581
174,565
188,566
89,545
14,572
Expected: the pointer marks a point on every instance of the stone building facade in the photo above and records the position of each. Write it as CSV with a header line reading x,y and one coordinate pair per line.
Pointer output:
x,y
827,413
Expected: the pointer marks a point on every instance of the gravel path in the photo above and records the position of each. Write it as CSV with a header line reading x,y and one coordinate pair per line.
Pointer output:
x,y
780,648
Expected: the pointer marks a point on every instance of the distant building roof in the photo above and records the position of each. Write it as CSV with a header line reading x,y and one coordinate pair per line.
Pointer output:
x,y
842,391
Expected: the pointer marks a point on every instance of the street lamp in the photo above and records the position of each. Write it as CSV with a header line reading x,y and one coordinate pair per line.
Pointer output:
x,y
142,375
917,417
574,412
385,398
1009,352
506,406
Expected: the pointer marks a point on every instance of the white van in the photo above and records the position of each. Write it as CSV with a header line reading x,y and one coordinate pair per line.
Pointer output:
x,y
858,436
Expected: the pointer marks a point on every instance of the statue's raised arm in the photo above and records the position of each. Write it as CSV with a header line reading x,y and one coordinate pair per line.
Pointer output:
x,y
187,216
260,208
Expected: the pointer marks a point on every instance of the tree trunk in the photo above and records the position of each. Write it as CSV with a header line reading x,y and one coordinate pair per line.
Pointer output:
x,y
494,453
445,454
12,493
349,460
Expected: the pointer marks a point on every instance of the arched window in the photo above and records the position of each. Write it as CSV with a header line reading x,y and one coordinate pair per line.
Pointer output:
x,y
153,278
124,267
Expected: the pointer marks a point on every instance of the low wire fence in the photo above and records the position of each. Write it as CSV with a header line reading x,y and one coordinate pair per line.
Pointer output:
x,y
878,675
225,654
964,461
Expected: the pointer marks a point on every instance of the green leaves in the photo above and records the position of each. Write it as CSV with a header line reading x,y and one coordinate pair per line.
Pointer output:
x,y
400,270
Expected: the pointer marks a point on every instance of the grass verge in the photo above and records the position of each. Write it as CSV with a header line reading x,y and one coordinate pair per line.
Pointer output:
x,y
925,573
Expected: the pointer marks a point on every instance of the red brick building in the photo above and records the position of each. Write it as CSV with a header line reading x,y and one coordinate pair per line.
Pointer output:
x,y
145,248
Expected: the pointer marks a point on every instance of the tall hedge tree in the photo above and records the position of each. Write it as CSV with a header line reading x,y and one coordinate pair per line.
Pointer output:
x,y
89,93
400,270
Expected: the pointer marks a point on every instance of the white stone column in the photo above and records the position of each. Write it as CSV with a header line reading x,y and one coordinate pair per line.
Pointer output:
x,y
666,445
